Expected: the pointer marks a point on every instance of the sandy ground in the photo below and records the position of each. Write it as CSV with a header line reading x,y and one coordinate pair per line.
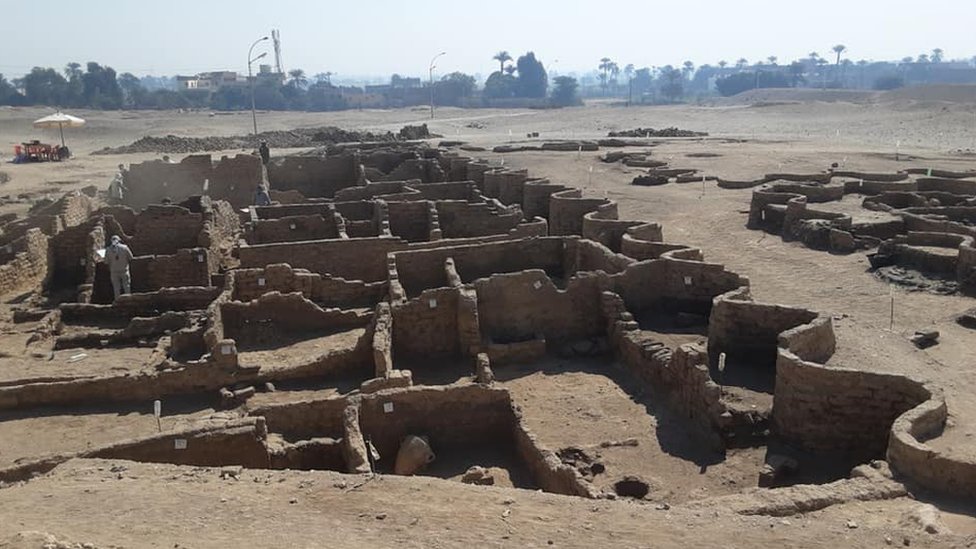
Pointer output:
x,y
751,141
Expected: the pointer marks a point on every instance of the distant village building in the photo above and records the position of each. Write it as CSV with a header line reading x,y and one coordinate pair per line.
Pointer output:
x,y
210,80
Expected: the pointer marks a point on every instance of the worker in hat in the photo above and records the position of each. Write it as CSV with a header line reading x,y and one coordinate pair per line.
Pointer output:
x,y
118,256
116,189
265,153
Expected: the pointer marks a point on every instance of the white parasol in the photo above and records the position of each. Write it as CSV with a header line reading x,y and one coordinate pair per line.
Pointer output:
x,y
60,121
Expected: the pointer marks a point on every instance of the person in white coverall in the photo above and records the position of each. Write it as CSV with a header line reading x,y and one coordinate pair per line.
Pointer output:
x,y
118,256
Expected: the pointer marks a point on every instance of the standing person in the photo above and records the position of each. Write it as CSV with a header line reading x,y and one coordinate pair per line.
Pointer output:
x,y
116,189
118,256
265,153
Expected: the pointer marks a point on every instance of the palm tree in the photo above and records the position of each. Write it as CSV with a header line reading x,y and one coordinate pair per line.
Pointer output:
x,y
72,70
687,68
509,69
741,63
604,66
298,79
923,58
629,73
937,54
839,49
722,64
502,57
772,60
325,77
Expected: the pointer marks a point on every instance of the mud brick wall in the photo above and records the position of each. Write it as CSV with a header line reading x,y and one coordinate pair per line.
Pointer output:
x,y
461,219
25,265
954,186
240,442
352,259
834,410
535,197
422,269
453,190
505,185
518,306
427,170
746,330
289,210
150,182
603,226
221,232
71,209
451,417
314,176
291,229
677,281
124,216
566,211
164,229
371,189
358,210
387,159
321,417
410,220
275,316
322,289
72,252
187,267
236,179
592,256
427,326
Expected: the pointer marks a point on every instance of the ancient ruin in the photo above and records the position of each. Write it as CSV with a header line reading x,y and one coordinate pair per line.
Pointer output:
x,y
385,313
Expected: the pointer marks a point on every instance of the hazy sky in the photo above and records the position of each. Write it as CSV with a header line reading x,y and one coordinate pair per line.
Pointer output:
x,y
380,37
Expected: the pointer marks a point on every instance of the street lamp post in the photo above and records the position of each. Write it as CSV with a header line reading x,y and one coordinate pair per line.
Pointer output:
x,y
430,72
250,79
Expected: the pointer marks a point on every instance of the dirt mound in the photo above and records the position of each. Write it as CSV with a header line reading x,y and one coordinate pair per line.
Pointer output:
x,y
651,132
779,96
951,93
301,137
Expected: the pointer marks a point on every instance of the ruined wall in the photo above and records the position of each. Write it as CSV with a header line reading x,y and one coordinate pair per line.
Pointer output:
x,y
324,290
505,185
746,330
677,281
451,417
163,229
462,219
603,226
535,197
566,211
422,269
233,180
187,267
24,262
315,176
374,189
427,170
275,316
521,306
427,326
291,229
352,259
72,254
410,220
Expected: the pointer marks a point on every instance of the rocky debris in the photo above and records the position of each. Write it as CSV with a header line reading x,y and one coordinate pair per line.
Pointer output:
x,y
616,142
635,162
650,180
482,369
588,465
917,281
967,319
451,143
300,137
479,475
472,148
571,146
925,338
233,399
413,456
4,177
410,133
651,132
632,442
42,540
924,517
776,467
514,148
